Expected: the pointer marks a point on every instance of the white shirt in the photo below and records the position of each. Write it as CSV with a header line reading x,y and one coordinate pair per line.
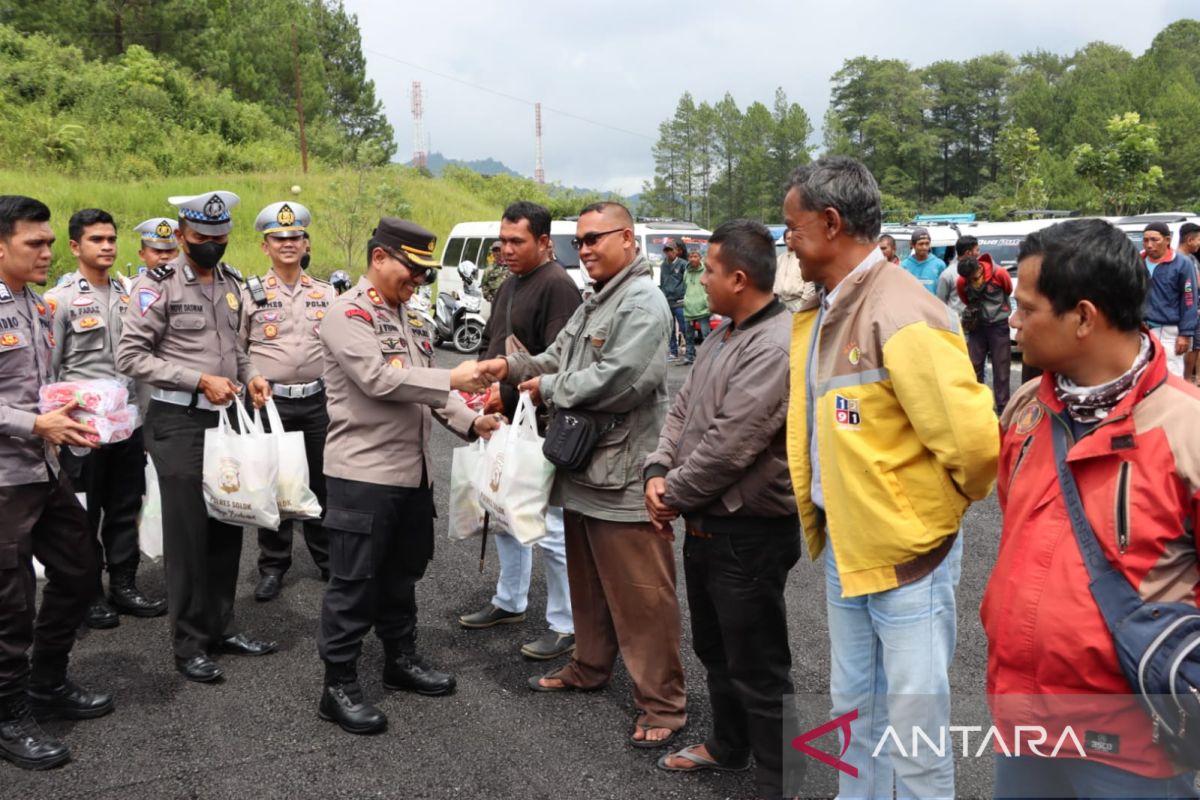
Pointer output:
x,y
827,301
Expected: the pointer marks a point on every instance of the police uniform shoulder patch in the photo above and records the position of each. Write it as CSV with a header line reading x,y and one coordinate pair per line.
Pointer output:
x,y
374,296
232,272
358,313
6,295
83,285
160,274
305,280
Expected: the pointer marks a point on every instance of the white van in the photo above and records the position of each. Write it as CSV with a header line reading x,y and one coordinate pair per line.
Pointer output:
x,y
472,241
1135,226
941,239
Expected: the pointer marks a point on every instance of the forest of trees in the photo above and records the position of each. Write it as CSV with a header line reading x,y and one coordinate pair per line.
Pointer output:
x,y
1099,130
100,80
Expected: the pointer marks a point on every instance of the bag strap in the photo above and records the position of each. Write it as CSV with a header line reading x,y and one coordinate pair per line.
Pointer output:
x,y
1113,593
273,417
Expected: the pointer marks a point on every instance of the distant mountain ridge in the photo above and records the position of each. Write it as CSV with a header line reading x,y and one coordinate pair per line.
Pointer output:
x,y
437,163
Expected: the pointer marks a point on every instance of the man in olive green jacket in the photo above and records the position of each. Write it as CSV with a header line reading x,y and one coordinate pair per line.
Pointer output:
x,y
610,359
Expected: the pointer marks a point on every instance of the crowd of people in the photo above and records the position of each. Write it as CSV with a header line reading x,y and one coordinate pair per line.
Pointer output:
x,y
838,411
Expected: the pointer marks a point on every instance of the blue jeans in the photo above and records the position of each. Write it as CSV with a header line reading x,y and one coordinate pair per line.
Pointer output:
x,y
1028,776
516,565
680,327
890,656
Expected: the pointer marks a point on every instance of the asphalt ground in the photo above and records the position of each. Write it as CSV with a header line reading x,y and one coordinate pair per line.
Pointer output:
x,y
257,735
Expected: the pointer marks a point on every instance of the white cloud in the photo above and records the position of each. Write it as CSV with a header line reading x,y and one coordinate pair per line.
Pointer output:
x,y
625,64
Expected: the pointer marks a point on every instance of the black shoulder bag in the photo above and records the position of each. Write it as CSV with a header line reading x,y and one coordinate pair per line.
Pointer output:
x,y
572,435
1158,644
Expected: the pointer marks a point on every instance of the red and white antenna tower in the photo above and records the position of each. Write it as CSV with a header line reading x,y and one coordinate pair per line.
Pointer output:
x,y
539,171
420,157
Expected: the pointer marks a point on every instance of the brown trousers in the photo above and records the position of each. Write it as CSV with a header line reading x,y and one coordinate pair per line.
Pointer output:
x,y
623,598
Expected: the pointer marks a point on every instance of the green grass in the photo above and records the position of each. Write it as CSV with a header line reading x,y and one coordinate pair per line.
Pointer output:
x,y
436,204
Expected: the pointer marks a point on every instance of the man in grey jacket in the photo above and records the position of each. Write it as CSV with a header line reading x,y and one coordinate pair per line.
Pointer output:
x,y
674,288
609,360
722,463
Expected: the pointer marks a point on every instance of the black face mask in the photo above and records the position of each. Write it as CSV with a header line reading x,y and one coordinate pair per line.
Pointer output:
x,y
304,259
206,255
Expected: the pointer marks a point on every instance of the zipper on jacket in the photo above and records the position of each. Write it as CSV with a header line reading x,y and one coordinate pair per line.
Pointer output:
x,y
1020,460
1122,510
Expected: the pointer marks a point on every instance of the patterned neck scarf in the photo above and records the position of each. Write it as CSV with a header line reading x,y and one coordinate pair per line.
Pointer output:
x,y
1090,404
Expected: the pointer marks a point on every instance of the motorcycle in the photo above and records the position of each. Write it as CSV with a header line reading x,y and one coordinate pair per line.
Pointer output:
x,y
458,318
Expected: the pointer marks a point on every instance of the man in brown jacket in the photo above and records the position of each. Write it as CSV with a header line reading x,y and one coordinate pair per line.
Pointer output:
x,y
722,463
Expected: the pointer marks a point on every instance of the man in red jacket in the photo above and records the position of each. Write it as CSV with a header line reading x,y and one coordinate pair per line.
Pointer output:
x,y
1080,294
984,290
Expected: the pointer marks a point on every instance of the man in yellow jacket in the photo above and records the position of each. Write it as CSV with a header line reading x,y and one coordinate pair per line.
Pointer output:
x,y
890,438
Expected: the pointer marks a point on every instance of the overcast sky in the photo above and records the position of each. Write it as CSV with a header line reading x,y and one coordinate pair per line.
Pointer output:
x,y
608,73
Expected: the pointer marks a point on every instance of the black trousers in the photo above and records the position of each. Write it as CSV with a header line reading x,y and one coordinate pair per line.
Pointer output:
x,y
200,555
114,480
739,631
380,541
991,341
43,520
307,415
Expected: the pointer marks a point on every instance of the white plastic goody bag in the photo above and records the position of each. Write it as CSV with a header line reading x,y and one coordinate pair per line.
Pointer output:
x,y
515,481
466,514
240,471
293,495
150,532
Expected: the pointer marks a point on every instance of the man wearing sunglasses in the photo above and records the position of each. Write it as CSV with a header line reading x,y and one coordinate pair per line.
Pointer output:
x,y
609,362
382,392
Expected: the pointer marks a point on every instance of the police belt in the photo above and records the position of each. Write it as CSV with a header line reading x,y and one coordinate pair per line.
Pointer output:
x,y
188,399
297,391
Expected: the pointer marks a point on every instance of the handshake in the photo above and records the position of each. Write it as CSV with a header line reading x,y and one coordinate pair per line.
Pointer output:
x,y
476,376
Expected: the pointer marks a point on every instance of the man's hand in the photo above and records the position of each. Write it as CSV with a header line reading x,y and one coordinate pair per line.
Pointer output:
x,y
487,424
534,387
56,427
1182,344
661,514
218,391
260,391
495,368
466,377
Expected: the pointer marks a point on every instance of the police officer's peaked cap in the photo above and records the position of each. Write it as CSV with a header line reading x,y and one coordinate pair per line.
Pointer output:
x,y
409,238
159,233
207,213
286,220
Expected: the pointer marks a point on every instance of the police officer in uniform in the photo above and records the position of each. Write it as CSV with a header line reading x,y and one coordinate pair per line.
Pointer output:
x,y
181,337
281,323
159,245
41,515
89,306
382,387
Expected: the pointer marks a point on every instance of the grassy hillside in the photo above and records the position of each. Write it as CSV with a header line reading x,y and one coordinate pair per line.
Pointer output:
x,y
344,204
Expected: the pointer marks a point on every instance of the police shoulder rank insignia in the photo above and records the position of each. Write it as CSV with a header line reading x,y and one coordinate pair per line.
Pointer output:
x,y
232,301
374,297
845,412
305,280
358,313
89,322
270,331
50,301
160,274
271,282
41,309
145,299
1029,418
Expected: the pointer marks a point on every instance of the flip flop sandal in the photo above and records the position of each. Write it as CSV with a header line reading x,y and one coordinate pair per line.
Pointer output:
x,y
652,744
702,763
535,683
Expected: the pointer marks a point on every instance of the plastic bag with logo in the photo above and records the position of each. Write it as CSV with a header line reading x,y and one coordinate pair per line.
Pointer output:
x,y
466,514
292,493
515,480
240,471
